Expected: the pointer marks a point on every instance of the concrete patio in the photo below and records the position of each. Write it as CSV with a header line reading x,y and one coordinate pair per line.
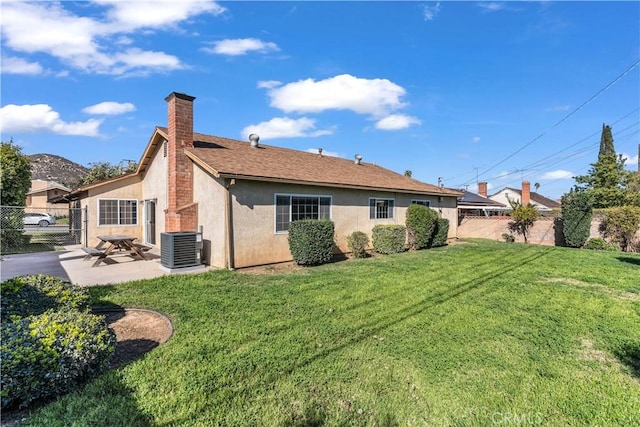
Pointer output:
x,y
71,265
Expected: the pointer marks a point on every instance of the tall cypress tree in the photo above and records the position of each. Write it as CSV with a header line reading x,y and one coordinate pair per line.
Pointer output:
x,y
606,143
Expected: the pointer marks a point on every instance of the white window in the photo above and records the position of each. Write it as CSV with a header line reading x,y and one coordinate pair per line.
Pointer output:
x,y
426,203
117,212
292,207
381,208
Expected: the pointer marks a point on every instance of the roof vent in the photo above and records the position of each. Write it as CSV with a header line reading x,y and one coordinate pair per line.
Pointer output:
x,y
320,152
254,138
358,159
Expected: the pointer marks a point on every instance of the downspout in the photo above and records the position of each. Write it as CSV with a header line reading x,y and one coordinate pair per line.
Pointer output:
x,y
229,224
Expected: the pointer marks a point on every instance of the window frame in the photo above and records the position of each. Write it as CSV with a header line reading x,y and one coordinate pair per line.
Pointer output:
x,y
386,199
423,202
291,196
119,223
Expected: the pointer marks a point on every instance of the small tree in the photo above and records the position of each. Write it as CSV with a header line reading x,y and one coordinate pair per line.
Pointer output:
x,y
620,225
576,218
15,175
522,218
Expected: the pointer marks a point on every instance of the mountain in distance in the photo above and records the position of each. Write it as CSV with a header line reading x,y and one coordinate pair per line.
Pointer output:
x,y
50,167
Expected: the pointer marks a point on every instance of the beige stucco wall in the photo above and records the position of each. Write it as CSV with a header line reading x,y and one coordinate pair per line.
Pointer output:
x,y
129,188
209,192
154,187
256,242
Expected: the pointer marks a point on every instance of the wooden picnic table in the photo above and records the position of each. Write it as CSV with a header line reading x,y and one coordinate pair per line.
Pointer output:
x,y
114,242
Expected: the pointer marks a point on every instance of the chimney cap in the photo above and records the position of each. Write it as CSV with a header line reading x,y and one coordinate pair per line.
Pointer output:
x,y
179,96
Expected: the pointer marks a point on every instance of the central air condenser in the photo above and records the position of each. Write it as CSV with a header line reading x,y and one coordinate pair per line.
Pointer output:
x,y
180,249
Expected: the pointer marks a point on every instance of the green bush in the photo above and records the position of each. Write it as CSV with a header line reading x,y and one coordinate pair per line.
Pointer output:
x,y
358,242
439,237
389,239
29,295
576,218
421,223
620,225
50,353
508,237
599,244
311,241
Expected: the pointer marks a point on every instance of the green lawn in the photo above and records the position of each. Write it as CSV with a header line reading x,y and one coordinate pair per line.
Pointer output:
x,y
479,333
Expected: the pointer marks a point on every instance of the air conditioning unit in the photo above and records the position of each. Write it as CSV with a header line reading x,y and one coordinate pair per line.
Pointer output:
x,y
180,249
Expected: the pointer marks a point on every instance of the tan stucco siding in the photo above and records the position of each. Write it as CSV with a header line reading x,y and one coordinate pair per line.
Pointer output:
x,y
256,242
209,192
154,187
130,188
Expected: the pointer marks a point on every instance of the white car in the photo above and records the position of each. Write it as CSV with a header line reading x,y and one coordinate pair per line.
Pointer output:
x,y
39,219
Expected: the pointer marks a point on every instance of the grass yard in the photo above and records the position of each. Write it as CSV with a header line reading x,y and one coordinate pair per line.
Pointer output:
x,y
480,333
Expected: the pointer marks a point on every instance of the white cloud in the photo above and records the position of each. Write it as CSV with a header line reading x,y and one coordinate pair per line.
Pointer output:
x,y
268,84
557,174
377,97
237,47
285,127
397,121
13,65
95,45
41,118
324,152
430,12
491,6
110,108
630,161
475,139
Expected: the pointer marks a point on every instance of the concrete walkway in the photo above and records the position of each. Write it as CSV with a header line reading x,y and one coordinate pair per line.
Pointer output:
x,y
70,265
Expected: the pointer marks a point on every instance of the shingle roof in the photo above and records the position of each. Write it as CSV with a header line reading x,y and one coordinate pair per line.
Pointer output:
x,y
473,199
237,159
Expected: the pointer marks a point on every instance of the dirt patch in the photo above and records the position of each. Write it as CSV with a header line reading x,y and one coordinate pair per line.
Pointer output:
x,y
589,352
630,296
137,332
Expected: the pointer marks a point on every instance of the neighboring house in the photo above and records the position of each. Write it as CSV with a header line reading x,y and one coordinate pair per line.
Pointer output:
x,y
525,195
244,195
472,204
46,196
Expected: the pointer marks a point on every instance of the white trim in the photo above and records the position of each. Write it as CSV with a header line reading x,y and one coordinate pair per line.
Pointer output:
x,y
393,213
275,207
118,225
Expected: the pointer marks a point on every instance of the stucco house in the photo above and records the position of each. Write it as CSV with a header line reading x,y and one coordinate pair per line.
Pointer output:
x,y
525,195
46,196
244,195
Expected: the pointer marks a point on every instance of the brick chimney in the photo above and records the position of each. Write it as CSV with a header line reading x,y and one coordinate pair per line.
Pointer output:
x,y
181,213
526,193
482,189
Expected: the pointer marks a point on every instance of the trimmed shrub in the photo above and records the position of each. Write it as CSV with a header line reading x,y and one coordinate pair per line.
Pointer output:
x,y
311,241
389,239
439,237
29,295
577,211
599,244
620,226
508,237
421,223
50,353
358,242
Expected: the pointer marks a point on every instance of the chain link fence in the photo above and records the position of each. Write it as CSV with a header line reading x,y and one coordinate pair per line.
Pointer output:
x,y
27,229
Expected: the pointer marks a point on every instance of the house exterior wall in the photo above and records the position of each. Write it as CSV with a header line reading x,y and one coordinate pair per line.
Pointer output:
x,y
129,188
256,242
210,193
154,187
38,200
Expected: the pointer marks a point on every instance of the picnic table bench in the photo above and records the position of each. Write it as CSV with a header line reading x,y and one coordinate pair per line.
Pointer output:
x,y
115,242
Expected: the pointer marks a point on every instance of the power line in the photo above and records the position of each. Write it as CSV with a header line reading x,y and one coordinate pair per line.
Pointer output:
x,y
614,81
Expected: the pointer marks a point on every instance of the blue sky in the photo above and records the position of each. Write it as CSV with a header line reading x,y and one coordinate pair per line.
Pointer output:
x,y
457,91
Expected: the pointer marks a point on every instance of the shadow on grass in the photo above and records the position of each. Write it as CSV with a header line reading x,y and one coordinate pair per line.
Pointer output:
x,y
629,259
629,355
